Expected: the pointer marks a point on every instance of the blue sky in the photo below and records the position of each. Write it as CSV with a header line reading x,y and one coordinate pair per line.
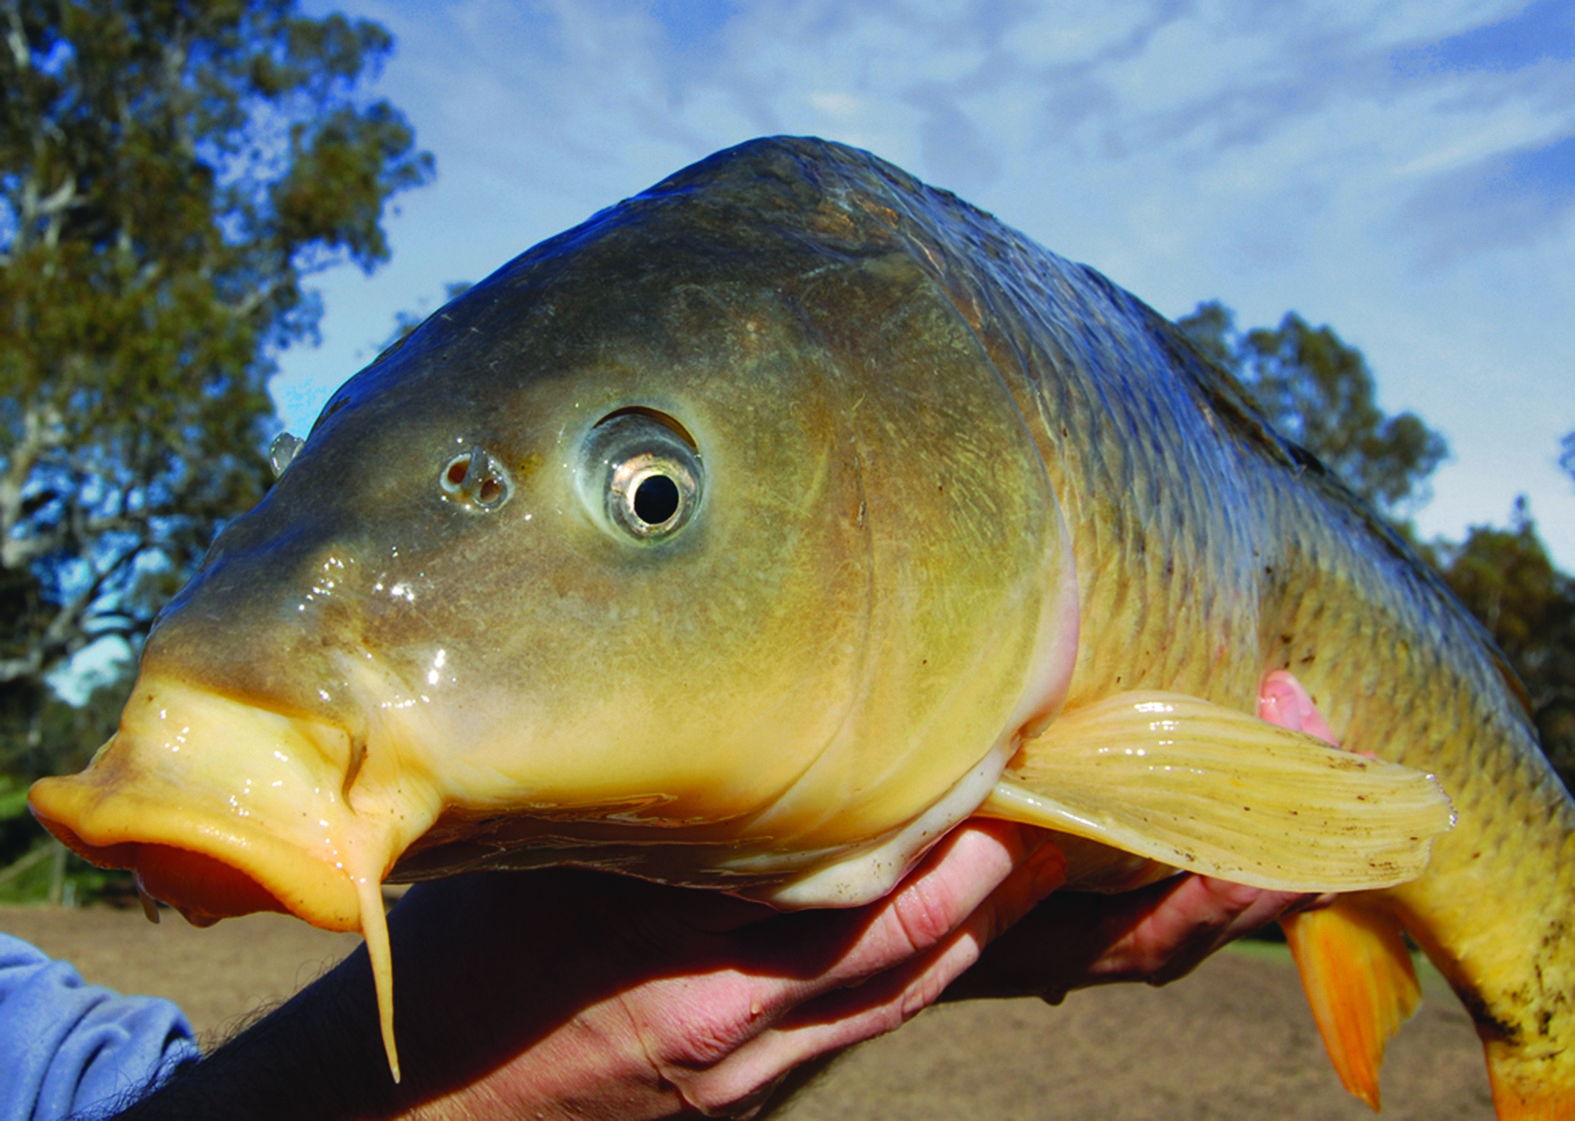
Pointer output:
x,y
1402,171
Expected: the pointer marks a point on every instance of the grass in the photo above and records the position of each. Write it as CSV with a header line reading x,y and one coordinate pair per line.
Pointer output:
x,y
48,873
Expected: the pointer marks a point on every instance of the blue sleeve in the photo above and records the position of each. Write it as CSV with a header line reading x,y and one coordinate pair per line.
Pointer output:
x,y
69,1047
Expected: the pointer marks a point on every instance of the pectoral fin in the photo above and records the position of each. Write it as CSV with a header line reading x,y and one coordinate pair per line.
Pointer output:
x,y
1360,983
1210,789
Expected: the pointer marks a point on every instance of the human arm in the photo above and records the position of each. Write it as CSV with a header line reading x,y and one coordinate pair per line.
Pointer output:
x,y
66,1045
593,996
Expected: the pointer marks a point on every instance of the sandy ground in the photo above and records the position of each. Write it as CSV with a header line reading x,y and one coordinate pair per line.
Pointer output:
x,y
1233,1041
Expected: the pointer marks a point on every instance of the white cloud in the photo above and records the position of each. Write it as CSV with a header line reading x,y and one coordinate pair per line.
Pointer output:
x,y
1070,34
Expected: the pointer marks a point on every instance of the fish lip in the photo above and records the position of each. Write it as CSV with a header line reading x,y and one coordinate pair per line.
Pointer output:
x,y
222,807
204,865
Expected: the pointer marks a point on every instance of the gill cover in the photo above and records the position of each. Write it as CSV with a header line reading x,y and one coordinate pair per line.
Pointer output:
x,y
708,527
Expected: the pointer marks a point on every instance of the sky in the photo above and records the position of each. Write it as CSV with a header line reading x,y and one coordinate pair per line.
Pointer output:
x,y
1402,171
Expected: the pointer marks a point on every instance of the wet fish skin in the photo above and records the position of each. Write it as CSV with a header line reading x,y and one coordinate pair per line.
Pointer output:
x,y
938,404
353,610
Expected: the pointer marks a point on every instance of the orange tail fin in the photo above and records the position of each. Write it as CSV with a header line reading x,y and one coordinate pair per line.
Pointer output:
x,y
1360,982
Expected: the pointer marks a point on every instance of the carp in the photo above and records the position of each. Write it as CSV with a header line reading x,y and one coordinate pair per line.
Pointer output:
x,y
767,525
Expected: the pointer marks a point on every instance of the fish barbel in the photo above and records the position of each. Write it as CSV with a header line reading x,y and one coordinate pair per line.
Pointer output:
x,y
759,530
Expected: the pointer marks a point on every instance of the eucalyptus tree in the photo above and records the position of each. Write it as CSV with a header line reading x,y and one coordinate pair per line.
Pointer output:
x,y
172,174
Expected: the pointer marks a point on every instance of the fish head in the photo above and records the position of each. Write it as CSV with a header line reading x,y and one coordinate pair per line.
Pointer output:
x,y
704,532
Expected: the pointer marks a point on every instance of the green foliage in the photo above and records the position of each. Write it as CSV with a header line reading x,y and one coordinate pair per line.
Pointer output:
x,y
1507,579
48,873
13,799
1319,392
18,833
171,175
66,735
24,847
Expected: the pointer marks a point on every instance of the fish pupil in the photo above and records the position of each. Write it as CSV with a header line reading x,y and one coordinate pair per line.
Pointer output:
x,y
656,499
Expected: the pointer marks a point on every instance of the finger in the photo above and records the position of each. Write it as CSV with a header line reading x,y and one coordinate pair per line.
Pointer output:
x,y
1073,940
879,1003
1199,916
828,950
736,986
916,982
758,972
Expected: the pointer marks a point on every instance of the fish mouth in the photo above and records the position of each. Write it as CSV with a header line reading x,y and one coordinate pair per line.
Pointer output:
x,y
202,866
255,817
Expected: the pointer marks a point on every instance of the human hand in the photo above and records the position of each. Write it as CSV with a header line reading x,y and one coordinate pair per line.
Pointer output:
x,y
564,992
662,1001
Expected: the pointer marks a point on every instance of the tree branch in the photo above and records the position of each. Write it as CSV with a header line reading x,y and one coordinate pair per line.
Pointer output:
x,y
64,635
39,434
16,38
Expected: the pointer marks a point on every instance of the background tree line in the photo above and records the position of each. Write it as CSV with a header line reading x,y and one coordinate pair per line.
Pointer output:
x,y
173,173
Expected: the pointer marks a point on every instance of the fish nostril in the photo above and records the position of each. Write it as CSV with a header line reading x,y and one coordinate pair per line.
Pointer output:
x,y
476,480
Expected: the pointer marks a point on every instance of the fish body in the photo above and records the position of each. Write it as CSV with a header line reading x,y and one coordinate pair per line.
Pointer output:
x,y
762,528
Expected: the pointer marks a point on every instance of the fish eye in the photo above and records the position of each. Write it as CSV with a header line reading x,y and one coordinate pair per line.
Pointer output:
x,y
476,480
640,474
